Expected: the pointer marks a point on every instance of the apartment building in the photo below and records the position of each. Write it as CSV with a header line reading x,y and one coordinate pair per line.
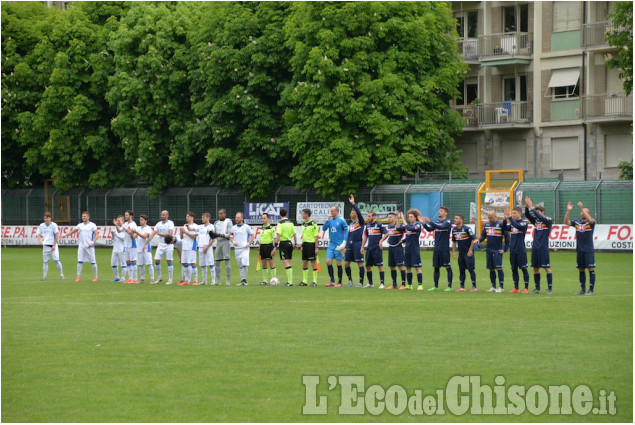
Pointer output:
x,y
538,95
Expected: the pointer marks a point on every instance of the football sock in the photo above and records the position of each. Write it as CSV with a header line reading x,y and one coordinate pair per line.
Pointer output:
x,y
583,281
218,266
59,267
273,272
94,269
381,277
409,276
124,269
79,268
515,277
349,272
436,277
331,276
45,269
420,278
315,273
403,277
265,275
550,281
526,278
133,271
194,271
393,276
170,271
591,280
340,272
305,275
142,272
473,277
289,272
151,270
501,278
492,278
369,275
228,270
361,274
462,277
243,273
537,280
157,267
450,276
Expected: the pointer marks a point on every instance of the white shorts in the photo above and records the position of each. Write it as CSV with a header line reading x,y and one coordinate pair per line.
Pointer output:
x,y
48,253
164,250
130,254
206,259
117,259
242,257
144,258
85,254
188,257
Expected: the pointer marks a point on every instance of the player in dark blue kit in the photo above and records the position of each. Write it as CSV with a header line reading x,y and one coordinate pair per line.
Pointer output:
x,y
413,251
540,247
463,237
517,250
441,254
584,227
395,234
354,244
494,233
373,233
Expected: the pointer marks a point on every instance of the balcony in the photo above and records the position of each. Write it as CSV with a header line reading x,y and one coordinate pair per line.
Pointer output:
x,y
508,45
608,107
501,114
594,35
469,49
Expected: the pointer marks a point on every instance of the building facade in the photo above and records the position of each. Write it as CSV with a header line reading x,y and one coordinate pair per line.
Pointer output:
x,y
539,96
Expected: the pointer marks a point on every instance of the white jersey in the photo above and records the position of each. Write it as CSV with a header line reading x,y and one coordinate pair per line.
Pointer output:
x,y
117,240
223,227
241,234
203,235
86,234
48,233
189,244
164,228
147,231
129,242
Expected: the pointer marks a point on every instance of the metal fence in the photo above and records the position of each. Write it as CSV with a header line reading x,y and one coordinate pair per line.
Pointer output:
x,y
610,201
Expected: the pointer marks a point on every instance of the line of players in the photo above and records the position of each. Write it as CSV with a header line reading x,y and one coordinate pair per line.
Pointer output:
x,y
132,250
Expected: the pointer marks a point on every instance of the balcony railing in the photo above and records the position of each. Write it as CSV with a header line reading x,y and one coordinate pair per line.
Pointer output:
x,y
608,106
594,34
469,49
501,113
509,44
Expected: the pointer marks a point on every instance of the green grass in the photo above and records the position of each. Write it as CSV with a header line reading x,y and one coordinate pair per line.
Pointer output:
x,y
107,352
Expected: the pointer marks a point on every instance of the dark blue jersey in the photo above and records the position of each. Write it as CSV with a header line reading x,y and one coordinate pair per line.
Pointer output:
x,y
542,226
374,232
441,230
395,234
463,236
518,229
584,235
356,228
413,232
494,234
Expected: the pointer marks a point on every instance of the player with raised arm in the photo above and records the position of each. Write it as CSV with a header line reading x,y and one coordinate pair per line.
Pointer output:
x,y
204,241
494,233
88,235
413,251
373,233
48,234
267,235
163,228
354,244
309,247
441,253
189,233
517,250
338,232
241,237
223,228
118,256
463,237
584,227
394,234
285,232
540,248
144,252
130,244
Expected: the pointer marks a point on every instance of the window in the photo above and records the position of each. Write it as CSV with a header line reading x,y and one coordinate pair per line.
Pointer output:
x,y
469,92
617,148
566,15
564,83
471,29
514,154
565,153
515,88
516,18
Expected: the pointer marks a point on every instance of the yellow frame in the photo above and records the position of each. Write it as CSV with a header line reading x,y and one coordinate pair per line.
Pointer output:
x,y
488,187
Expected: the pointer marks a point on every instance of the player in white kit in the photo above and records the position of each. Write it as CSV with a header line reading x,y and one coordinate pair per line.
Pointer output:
x,y
118,259
86,249
48,234
163,228
223,227
241,238
130,243
189,233
144,252
205,251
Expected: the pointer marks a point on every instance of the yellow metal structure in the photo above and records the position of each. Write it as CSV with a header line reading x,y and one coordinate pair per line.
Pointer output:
x,y
496,193
58,205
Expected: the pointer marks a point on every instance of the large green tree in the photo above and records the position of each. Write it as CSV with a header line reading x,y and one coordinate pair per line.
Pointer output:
x,y
621,36
369,98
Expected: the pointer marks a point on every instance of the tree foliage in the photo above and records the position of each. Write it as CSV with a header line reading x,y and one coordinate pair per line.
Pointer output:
x,y
622,37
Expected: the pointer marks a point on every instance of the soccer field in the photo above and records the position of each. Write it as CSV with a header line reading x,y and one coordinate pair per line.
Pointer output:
x,y
109,352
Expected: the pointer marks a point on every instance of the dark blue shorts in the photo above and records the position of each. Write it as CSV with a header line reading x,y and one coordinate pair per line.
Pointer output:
x,y
413,258
440,259
518,260
466,262
494,260
586,260
374,257
540,259
395,256
353,252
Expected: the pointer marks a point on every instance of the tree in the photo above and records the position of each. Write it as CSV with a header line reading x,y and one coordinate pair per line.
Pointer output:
x,y
369,98
621,36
